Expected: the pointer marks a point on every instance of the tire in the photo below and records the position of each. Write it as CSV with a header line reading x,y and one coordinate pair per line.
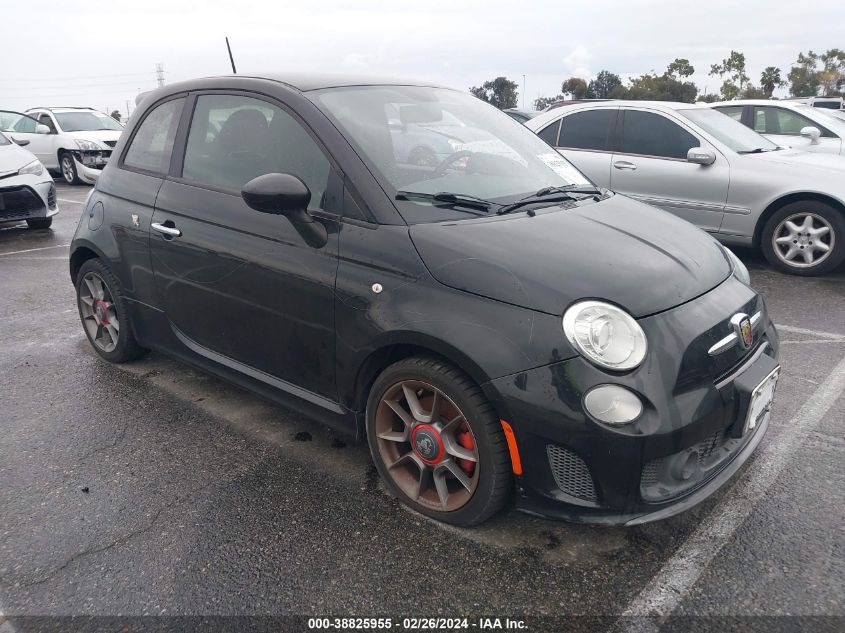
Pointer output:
x,y
464,423
40,223
68,168
826,228
115,344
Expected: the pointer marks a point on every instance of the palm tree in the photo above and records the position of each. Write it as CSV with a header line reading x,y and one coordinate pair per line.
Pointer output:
x,y
771,79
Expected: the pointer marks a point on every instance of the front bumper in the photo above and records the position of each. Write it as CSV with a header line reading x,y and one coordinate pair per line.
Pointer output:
x,y
577,469
90,164
27,197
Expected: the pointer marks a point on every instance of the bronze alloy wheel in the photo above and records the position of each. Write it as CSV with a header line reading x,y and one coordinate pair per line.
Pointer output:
x,y
427,445
99,313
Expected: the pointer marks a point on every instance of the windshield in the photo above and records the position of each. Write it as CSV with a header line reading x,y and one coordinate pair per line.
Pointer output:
x,y
17,122
435,140
728,131
828,117
86,121
4,140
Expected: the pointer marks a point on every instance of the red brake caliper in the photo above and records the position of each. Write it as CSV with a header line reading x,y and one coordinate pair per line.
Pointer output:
x,y
464,438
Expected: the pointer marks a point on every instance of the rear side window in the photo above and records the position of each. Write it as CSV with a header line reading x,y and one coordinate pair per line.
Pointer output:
x,y
152,144
735,112
649,134
549,133
234,139
587,130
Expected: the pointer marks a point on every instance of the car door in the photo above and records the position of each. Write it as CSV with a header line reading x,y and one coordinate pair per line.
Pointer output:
x,y
783,126
240,287
583,137
650,164
21,127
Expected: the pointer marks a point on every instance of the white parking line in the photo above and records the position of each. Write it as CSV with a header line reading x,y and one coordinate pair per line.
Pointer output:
x,y
32,250
678,575
71,201
800,330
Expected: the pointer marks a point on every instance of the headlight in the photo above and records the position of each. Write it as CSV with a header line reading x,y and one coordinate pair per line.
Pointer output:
x,y
606,335
456,144
740,270
88,145
35,168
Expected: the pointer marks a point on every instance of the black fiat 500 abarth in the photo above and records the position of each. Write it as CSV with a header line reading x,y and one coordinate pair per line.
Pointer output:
x,y
411,265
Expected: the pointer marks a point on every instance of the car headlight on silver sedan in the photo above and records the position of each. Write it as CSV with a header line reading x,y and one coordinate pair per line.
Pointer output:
x,y
740,270
35,168
605,335
88,146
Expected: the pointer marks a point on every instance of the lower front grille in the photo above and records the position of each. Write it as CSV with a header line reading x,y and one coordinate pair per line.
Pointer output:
x,y
51,197
571,474
19,202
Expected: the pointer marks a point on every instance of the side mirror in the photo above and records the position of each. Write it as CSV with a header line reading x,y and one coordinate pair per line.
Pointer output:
x,y
42,129
701,156
287,195
22,142
812,133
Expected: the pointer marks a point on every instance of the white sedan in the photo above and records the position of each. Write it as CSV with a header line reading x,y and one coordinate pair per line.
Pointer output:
x,y
26,189
789,124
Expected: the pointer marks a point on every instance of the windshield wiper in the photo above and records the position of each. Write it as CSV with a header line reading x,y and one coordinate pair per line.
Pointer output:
x,y
756,150
551,194
445,198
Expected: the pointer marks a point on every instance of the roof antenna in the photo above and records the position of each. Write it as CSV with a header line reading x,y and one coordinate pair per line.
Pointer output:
x,y
231,59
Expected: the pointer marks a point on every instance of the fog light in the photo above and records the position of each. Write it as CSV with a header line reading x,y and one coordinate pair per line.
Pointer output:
x,y
613,404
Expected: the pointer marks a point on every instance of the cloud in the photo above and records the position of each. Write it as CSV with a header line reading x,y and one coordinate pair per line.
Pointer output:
x,y
576,64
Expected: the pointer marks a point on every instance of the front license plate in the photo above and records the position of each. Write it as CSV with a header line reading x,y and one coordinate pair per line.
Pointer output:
x,y
761,401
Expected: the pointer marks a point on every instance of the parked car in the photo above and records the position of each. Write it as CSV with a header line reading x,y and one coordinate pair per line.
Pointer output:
x,y
714,172
797,125
26,189
521,115
77,144
491,324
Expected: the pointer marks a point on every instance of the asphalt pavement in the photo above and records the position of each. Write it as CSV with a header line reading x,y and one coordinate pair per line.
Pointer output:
x,y
154,489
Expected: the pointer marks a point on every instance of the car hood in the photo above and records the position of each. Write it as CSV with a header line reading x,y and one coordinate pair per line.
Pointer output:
x,y
13,157
95,135
619,250
795,157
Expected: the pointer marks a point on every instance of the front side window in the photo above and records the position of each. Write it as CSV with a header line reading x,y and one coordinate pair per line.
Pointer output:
x,y
17,122
735,112
587,130
650,134
234,139
426,141
549,133
770,120
152,144
4,140
45,119
86,121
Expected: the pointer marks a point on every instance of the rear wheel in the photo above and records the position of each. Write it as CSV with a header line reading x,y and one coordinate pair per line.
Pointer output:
x,y
102,309
68,166
805,238
39,223
437,443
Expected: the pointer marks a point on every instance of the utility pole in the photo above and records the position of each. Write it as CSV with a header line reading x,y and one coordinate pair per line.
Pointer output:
x,y
523,92
160,74
127,108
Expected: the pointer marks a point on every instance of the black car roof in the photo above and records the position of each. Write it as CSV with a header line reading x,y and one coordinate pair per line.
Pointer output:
x,y
305,82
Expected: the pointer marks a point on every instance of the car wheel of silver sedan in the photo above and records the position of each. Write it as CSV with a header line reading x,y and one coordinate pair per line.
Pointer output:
x,y
805,238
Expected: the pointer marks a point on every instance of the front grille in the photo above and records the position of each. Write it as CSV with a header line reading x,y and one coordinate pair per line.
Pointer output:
x,y
571,473
19,202
110,143
51,197
670,477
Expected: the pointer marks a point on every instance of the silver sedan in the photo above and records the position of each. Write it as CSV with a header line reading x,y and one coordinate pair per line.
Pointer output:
x,y
711,170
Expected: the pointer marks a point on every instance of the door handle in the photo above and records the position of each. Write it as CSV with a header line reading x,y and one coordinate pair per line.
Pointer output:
x,y
169,231
624,164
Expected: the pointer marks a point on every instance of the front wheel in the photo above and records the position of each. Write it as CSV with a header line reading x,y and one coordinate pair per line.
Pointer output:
x,y
437,443
68,166
39,223
805,238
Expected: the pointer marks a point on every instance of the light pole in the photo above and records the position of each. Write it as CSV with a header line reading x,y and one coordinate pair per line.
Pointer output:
x,y
523,92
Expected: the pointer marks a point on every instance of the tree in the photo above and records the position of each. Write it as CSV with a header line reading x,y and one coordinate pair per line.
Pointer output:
x,y
541,103
832,76
574,88
602,86
753,92
680,68
651,87
732,72
115,115
770,79
500,92
803,76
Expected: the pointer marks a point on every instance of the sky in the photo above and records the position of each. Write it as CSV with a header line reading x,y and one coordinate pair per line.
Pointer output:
x,y
103,54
